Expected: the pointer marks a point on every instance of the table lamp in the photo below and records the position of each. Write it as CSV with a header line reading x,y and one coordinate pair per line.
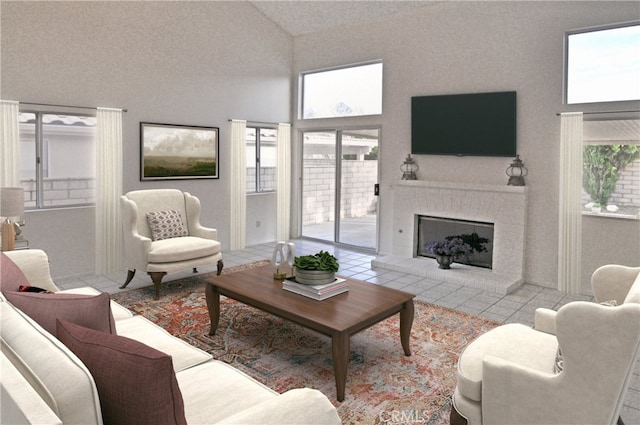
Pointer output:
x,y
11,206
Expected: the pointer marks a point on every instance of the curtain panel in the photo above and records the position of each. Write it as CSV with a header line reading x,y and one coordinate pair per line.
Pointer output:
x,y
238,190
283,203
10,144
108,191
570,219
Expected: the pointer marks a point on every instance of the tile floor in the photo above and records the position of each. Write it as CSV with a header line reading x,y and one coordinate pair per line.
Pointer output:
x,y
518,306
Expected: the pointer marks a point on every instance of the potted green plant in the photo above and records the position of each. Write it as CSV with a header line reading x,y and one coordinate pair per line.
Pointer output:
x,y
596,207
317,269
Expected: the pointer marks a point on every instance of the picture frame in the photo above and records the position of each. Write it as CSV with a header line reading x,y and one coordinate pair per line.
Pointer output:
x,y
172,152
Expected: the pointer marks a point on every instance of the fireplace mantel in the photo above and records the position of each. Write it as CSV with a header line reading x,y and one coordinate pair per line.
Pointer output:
x,y
463,186
502,205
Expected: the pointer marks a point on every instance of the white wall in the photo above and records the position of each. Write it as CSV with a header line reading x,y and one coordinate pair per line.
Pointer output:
x,y
67,237
194,63
261,218
458,47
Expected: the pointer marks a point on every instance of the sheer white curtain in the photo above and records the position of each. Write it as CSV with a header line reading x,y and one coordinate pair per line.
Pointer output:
x,y
283,212
238,192
570,220
10,144
108,191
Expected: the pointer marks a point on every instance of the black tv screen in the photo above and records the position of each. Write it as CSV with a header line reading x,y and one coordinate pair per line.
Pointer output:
x,y
475,124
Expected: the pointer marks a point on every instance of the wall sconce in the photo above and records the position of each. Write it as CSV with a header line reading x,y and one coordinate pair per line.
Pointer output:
x,y
516,172
11,206
409,168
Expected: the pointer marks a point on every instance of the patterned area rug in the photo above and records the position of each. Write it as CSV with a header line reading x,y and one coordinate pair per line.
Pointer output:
x,y
383,385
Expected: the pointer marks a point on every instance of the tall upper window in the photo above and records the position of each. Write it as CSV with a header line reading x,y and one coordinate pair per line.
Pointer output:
x,y
342,92
603,65
261,159
57,159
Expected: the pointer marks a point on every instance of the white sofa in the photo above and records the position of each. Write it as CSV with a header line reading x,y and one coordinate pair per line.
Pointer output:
x,y
43,382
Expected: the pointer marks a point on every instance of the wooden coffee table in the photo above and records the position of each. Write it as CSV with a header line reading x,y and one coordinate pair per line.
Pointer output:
x,y
339,317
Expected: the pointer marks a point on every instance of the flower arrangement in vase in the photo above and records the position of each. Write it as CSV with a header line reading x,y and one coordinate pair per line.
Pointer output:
x,y
448,250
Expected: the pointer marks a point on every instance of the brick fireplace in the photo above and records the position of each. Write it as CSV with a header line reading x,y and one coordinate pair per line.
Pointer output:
x,y
504,206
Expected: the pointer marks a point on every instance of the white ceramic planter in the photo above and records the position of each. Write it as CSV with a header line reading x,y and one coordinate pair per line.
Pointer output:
x,y
314,277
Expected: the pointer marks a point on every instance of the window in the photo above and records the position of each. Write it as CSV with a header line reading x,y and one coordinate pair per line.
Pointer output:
x,y
261,159
611,167
57,159
603,65
344,92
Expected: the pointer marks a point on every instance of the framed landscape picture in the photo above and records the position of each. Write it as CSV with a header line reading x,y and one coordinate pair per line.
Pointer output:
x,y
169,151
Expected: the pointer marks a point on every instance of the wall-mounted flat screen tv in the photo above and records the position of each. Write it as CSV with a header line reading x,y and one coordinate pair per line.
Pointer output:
x,y
474,124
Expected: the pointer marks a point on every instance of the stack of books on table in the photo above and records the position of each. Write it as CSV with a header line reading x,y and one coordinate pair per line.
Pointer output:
x,y
317,292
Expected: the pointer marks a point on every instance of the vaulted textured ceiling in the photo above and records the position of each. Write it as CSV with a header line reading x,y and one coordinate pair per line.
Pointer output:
x,y
299,17
304,17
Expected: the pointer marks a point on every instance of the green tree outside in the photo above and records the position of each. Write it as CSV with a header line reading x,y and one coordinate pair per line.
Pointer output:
x,y
602,165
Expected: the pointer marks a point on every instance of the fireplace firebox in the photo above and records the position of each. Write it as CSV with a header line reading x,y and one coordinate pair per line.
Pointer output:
x,y
478,235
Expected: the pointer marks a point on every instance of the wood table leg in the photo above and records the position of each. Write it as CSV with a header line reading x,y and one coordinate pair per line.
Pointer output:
x,y
340,348
456,418
406,322
213,305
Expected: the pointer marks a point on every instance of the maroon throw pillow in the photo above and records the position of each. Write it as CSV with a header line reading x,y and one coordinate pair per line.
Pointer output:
x,y
11,277
91,311
27,288
136,383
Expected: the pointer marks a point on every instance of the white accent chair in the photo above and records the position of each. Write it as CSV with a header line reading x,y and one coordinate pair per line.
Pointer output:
x,y
158,258
506,376
615,282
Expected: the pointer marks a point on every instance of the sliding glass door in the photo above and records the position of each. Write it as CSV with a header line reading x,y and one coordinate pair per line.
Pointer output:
x,y
340,173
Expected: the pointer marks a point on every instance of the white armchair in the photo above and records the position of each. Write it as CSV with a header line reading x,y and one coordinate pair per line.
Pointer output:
x,y
615,282
507,376
167,246
611,282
